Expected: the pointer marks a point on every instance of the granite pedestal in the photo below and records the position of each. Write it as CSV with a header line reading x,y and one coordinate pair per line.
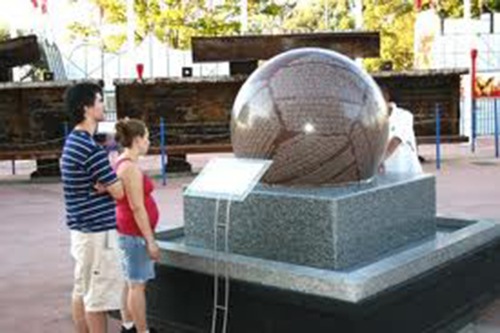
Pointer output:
x,y
440,270
430,286
334,228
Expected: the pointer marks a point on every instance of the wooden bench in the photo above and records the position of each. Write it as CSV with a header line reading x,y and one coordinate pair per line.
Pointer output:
x,y
425,140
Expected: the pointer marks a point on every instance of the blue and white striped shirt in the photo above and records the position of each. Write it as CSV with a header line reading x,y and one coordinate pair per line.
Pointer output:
x,y
83,164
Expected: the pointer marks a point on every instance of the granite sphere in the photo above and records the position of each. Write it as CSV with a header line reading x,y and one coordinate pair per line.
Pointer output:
x,y
316,114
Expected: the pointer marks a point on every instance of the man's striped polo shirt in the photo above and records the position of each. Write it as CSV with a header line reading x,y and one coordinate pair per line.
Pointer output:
x,y
83,164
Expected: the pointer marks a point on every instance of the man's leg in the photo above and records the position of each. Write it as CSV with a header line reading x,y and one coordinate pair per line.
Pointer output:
x,y
97,322
80,251
78,311
106,283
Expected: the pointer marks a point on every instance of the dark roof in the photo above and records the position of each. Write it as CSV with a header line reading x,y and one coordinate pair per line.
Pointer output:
x,y
421,72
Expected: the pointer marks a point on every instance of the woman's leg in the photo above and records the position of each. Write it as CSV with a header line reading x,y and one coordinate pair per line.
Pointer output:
x,y
137,305
125,311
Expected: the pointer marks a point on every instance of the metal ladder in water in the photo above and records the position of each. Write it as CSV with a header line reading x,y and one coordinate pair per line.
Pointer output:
x,y
221,270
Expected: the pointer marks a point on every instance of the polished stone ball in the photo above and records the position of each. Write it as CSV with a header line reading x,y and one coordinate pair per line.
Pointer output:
x,y
320,118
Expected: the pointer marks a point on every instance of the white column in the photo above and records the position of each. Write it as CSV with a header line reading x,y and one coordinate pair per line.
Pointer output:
x,y
358,19
326,12
150,52
13,34
358,14
163,6
130,63
244,16
467,116
467,10
150,45
101,44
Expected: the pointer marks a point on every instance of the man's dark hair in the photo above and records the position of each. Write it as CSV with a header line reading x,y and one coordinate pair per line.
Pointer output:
x,y
386,92
77,97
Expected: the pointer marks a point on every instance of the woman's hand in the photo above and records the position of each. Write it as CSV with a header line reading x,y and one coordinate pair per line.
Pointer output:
x,y
381,169
100,188
153,250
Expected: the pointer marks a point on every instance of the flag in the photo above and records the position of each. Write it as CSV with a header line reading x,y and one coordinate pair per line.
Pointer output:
x,y
44,6
418,4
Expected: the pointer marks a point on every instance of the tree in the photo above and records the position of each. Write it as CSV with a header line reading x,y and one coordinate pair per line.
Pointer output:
x,y
320,15
493,5
4,32
395,19
455,8
176,21
172,21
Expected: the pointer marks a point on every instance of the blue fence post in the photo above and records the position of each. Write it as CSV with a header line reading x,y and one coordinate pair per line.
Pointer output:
x,y
474,125
438,136
495,112
65,130
163,152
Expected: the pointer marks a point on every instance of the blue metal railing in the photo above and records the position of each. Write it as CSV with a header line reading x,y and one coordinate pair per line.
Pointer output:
x,y
484,120
438,136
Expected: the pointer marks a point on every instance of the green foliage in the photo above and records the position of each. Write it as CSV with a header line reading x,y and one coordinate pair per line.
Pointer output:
x,y
320,15
267,17
112,43
455,8
4,32
493,5
86,32
172,21
395,19
176,21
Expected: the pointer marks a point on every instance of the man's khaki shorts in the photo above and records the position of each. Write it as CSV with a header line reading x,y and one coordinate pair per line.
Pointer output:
x,y
98,275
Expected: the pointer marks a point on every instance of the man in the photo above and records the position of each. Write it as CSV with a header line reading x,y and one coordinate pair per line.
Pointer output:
x,y
401,152
90,188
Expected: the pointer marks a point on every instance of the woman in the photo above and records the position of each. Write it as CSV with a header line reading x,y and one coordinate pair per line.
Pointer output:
x,y
137,216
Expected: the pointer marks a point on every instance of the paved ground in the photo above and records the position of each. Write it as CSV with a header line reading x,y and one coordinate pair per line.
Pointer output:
x,y
35,270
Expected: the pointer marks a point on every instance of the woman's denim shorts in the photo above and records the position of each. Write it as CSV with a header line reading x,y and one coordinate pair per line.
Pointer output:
x,y
136,263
